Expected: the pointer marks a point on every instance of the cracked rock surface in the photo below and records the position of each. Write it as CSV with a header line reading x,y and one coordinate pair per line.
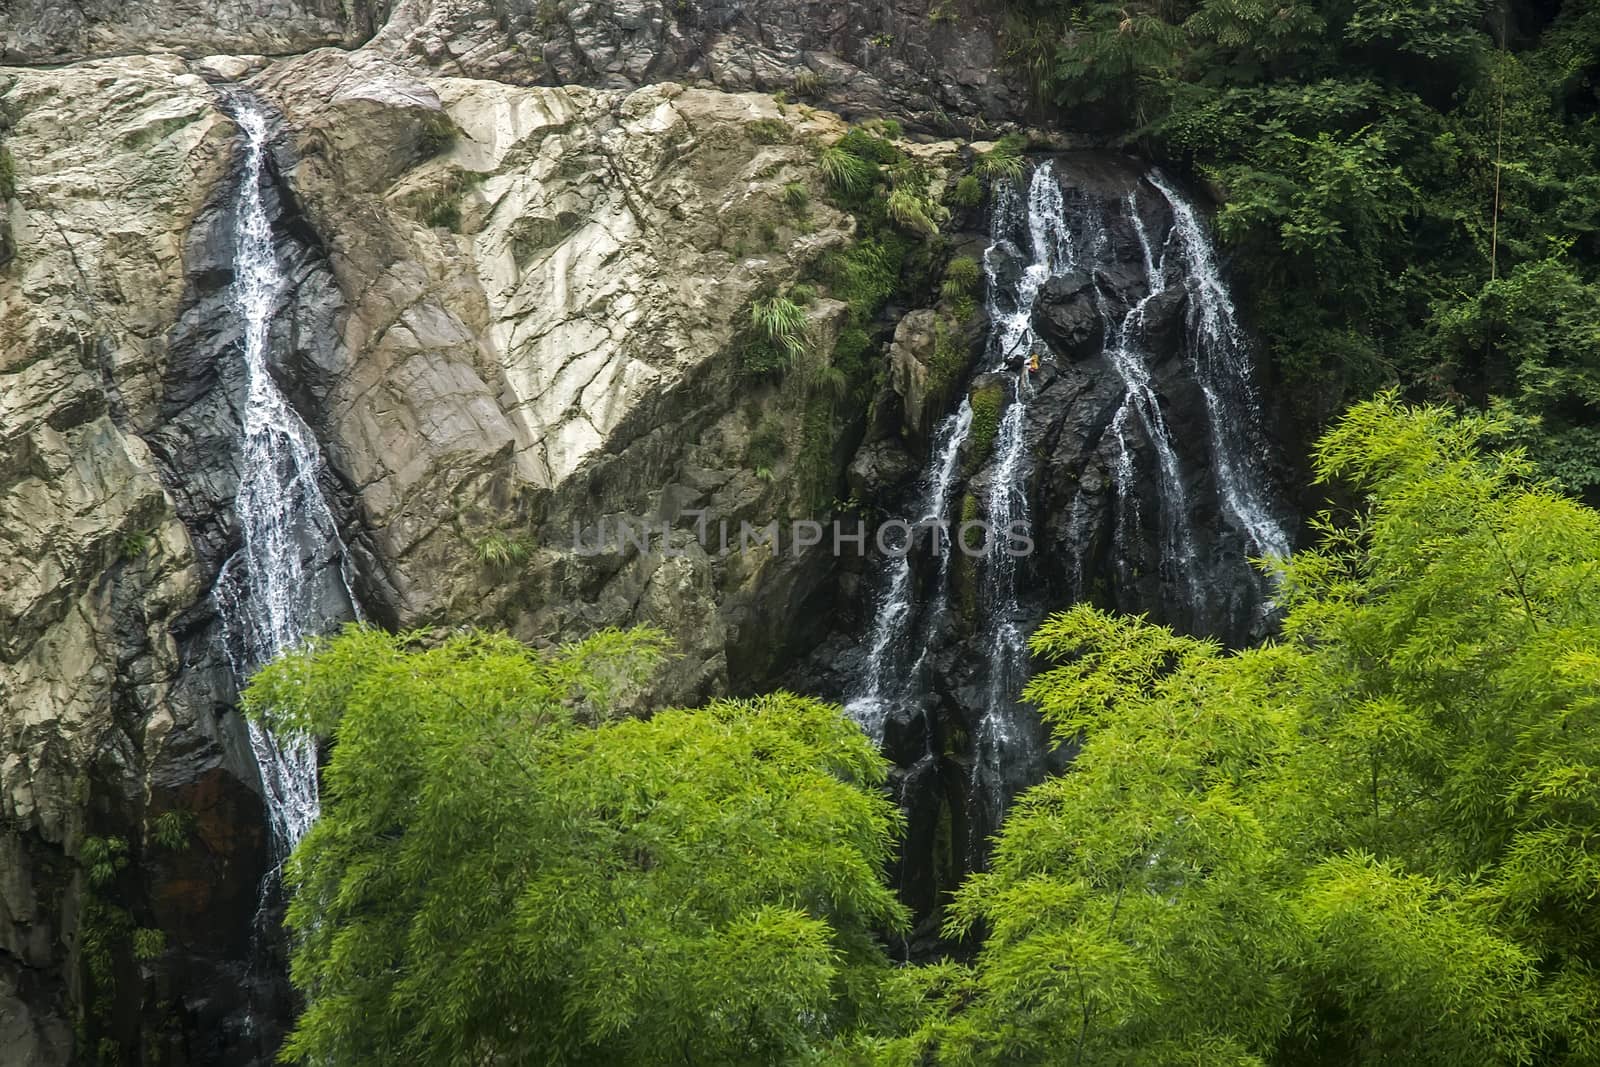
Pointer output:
x,y
511,309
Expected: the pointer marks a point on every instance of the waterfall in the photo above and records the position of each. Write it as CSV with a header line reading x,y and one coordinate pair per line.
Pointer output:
x,y
893,674
1126,350
1150,399
1007,732
287,580
897,602
1219,356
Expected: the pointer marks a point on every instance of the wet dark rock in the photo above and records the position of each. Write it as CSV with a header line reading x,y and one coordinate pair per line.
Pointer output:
x,y
1103,513
1067,316
882,470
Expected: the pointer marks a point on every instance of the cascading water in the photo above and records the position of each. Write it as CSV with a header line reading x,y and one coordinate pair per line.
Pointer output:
x,y
287,579
1007,731
1219,356
897,603
1002,726
1126,350
1135,458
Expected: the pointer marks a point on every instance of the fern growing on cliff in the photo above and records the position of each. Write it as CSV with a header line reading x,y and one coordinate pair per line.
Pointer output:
x,y
782,322
912,212
1003,161
846,172
961,276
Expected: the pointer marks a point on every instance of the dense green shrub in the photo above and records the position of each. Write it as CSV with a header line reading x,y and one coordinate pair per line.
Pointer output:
x,y
1370,840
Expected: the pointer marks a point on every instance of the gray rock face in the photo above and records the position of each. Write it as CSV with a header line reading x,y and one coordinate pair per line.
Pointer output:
x,y
539,324
932,63
509,310
57,31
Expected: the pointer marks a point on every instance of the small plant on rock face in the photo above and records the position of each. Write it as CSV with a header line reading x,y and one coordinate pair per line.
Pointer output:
x,y
171,829
148,943
862,142
435,139
445,215
796,196
136,544
781,321
769,131
102,858
909,210
960,278
950,357
829,381
498,550
807,83
968,192
768,443
1004,160
845,171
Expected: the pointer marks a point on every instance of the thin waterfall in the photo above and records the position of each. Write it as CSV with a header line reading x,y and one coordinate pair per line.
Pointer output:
x,y
1219,355
1006,732
1128,353
287,580
1126,532
934,516
883,681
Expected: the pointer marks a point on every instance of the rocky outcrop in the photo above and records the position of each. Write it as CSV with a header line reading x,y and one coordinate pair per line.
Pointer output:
x,y
60,31
542,305
935,64
510,311
111,713
932,63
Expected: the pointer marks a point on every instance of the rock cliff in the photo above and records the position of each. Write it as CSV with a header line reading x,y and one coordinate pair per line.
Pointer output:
x,y
522,241
509,307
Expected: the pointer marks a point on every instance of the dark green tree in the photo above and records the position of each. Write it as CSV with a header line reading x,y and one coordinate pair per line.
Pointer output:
x,y
1410,191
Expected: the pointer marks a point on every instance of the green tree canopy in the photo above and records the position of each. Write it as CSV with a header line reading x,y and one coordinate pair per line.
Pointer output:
x,y
503,873
1375,840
